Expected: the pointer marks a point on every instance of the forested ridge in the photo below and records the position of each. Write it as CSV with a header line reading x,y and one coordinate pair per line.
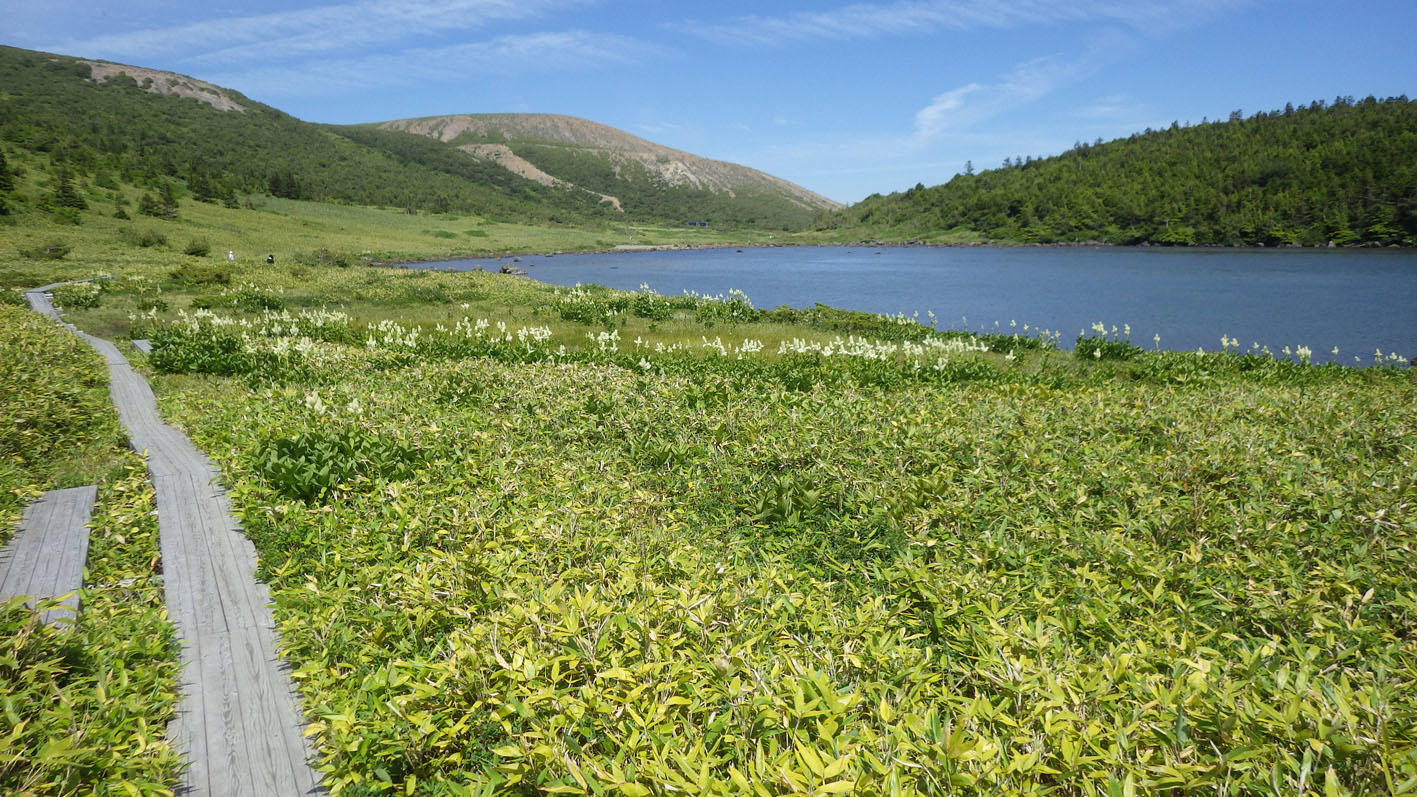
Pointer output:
x,y
117,130
1343,171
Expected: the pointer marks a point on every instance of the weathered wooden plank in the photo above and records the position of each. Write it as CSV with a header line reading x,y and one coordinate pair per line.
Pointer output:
x,y
48,568
143,345
250,655
221,699
45,559
177,577
238,721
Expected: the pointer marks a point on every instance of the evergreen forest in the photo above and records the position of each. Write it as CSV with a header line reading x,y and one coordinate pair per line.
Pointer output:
x,y
1344,171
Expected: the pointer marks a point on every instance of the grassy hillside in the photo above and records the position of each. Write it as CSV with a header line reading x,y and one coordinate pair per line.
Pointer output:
x,y
42,240
218,146
117,131
1343,172
641,194
647,179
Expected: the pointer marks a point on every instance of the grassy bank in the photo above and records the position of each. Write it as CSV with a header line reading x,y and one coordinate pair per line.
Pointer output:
x,y
290,230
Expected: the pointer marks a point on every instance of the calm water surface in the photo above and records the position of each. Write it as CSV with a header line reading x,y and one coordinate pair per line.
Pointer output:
x,y
1356,300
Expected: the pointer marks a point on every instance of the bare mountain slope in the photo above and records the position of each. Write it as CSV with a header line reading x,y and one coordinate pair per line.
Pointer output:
x,y
668,167
503,156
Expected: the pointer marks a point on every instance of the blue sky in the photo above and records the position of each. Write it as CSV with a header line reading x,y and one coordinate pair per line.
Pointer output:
x,y
846,99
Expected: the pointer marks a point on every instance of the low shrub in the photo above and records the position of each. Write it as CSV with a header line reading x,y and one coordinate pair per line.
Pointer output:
x,y
144,239
878,326
733,309
309,464
198,349
76,295
584,311
54,250
67,215
1098,347
254,299
201,274
200,346
1003,343
592,305
651,306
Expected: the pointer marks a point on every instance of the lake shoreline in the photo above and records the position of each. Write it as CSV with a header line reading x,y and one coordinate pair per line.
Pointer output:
x,y
1188,296
910,244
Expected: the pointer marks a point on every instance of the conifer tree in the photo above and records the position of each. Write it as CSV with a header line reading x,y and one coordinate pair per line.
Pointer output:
x,y
7,178
65,195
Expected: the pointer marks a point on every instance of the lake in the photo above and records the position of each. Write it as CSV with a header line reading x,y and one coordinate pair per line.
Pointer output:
x,y
1357,301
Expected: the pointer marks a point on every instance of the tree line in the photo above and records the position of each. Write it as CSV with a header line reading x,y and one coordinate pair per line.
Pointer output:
x,y
1342,171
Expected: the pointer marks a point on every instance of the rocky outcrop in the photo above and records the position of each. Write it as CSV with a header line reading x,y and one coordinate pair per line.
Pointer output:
x,y
168,83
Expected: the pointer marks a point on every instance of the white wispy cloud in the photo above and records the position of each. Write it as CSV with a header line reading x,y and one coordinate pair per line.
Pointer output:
x,y
308,31
869,20
971,104
967,106
658,128
944,111
505,55
1113,106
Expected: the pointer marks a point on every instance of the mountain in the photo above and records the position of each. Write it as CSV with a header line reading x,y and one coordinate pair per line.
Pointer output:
x,y
621,169
96,120
1344,171
104,122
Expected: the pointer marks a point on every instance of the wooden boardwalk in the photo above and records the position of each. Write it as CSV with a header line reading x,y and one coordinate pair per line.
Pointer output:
x,y
238,722
45,559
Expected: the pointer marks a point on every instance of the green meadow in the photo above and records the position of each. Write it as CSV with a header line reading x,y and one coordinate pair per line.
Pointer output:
x,y
528,540
292,229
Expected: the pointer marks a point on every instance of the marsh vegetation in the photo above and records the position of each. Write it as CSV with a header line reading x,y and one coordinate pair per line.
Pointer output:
x,y
594,541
